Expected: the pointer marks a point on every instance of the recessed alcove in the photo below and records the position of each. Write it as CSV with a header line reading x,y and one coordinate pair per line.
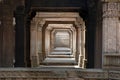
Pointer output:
x,y
58,38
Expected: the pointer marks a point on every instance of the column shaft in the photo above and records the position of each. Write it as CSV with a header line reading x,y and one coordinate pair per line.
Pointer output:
x,y
33,45
39,40
79,53
20,37
110,34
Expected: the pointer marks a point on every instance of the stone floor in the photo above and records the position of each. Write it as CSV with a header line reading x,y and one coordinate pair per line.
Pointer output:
x,y
59,61
62,49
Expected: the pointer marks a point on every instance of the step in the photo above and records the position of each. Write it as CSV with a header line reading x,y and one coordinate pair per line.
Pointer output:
x,y
60,56
60,53
59,61
62,49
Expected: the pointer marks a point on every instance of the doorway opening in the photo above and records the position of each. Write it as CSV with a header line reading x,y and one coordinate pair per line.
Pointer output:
x,y
58,38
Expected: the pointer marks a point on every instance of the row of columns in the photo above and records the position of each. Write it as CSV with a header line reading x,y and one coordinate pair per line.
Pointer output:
x,y
81,46
36,43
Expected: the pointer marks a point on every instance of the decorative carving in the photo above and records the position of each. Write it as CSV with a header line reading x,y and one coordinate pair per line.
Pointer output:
x,y
79,22
114,74
112,61
110,40
40,24
91,74
111,9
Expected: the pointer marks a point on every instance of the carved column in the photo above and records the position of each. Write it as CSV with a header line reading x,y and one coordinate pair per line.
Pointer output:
x,y
81,43
78,55
111,39
83,58
33,44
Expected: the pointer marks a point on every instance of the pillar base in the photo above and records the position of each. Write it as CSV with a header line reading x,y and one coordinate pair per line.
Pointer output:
x,y
111,61
40,57
34,61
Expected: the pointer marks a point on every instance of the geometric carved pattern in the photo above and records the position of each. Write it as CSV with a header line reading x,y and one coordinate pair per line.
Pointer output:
x,y
114,75
112,61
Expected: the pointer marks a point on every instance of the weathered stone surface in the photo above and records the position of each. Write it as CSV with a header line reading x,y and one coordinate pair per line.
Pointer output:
x,y
56,74
111,39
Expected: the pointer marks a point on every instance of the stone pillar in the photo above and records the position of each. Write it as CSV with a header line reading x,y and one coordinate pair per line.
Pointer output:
x,y
111,38
20,37
83,58
78,55
52,40
81,43
1,31
33,44
74,42
81,46
46,41
39,40
70,41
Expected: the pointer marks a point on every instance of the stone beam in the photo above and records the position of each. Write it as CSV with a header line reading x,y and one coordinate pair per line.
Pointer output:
x,y
57,15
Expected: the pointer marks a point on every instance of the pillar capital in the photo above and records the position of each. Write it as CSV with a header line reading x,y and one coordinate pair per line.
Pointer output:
x,y
40,24
111,9
79,21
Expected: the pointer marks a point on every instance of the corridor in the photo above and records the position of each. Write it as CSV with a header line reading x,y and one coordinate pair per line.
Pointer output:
x,y
57,39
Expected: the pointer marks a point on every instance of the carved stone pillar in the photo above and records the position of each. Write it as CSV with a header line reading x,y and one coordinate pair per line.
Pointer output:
x,y
78,55
81,43
47,35
83,58
111,39
33,44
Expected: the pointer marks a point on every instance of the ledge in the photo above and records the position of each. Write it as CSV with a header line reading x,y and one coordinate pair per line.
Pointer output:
x,y
57,72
